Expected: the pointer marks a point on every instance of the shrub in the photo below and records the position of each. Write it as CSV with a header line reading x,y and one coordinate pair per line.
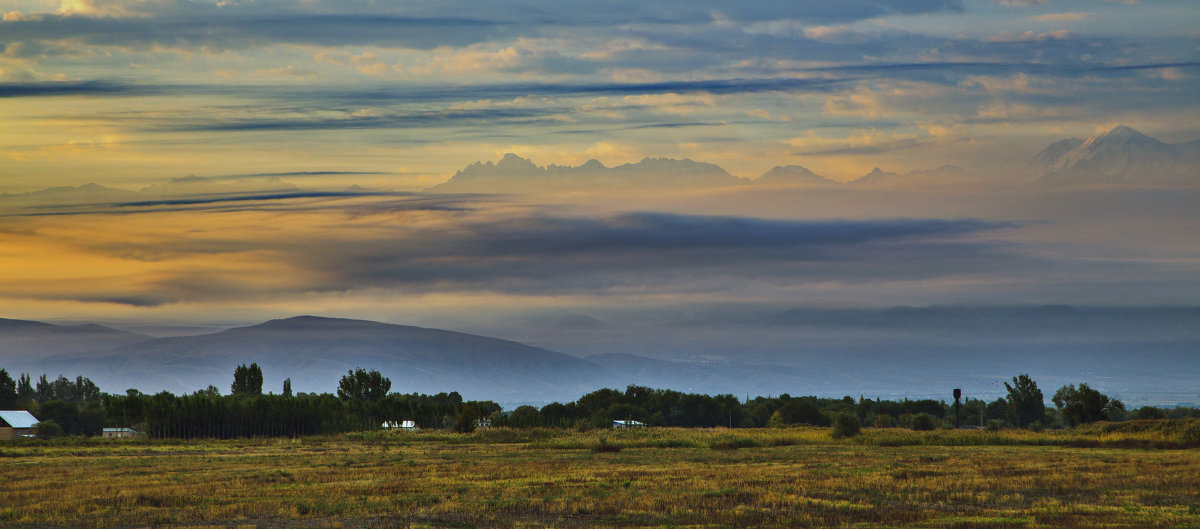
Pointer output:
x,y
47,429
924,422
1149,412
845,425
995,425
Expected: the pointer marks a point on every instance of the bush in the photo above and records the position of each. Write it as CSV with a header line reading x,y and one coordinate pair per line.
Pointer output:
x,y
1149,412
47,429
884,420
845,425
995,425
924,422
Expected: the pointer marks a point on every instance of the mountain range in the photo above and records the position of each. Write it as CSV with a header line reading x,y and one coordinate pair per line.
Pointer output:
x,y
1119,156
1140,354
514,174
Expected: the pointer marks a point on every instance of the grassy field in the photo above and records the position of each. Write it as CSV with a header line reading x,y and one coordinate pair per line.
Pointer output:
x,y
1104,476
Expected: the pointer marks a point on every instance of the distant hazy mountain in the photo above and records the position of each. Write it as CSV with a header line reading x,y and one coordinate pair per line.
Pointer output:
x,y
944,175
876,176
189,186
1059,319
24,343
1119,156
793,175
516,174
316,352
1143,354
69,195
709,377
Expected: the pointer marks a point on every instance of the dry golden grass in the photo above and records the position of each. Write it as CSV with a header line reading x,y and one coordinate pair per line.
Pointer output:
x,y
659,478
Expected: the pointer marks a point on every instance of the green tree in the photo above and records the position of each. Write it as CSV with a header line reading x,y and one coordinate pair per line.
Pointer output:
x,y
845,425
8,391
1083,405
247,380
287,387
44,390
525,417
62,413
364,386
1026,405
467,418
798,411
25,387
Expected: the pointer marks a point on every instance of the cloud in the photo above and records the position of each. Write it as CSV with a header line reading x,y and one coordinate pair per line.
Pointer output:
x,y
282,245
861,142
542,254
231,32
1020,3
1029,35
286,71
1060,17
75,88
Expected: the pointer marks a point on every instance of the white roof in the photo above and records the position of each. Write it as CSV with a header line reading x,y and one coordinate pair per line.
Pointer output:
x,y
19,418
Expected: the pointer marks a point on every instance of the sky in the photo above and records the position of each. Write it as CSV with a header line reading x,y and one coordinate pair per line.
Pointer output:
x,y
398,96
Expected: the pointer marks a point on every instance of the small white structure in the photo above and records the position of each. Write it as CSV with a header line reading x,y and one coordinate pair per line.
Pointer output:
x,y
119,433
628,424
399,425
16,423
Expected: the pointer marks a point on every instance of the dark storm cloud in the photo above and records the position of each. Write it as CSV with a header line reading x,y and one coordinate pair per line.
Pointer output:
x,y
422,120
544,254
283,201
424,93
76,88
474,244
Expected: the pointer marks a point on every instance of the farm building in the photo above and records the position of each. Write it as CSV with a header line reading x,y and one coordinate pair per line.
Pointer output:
x,y
628,424
119,433
15,424
400,425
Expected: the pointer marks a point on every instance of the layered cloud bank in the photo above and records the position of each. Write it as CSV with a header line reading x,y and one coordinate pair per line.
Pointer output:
x,y
196,250
131,92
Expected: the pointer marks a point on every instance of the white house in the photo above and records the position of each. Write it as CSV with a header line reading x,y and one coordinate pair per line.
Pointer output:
x,y
628,424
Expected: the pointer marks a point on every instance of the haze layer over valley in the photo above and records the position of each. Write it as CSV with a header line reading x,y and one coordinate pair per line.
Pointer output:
x,y
666,273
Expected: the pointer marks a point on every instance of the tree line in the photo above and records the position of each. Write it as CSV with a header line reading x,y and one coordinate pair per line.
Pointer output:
x,y
364,401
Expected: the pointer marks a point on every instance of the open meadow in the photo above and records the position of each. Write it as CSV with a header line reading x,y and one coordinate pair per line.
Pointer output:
x,y
1105,475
